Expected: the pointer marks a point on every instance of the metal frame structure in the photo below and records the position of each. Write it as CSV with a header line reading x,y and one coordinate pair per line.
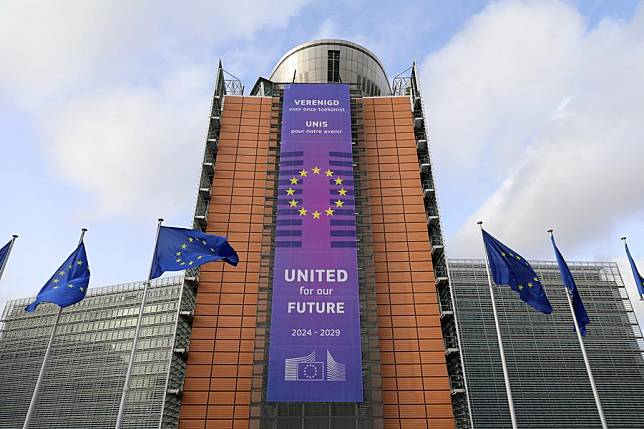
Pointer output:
x,y
225,83
407,84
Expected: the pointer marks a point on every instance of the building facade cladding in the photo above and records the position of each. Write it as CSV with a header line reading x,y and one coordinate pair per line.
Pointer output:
x,y
548,378
84,377
404,357
314,62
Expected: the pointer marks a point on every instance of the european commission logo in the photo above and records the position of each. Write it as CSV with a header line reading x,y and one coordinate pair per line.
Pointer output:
x,y
307,368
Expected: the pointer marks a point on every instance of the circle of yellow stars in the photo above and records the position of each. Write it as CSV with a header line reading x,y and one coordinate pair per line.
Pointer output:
x,y
330,210
180,250
62,273
518,258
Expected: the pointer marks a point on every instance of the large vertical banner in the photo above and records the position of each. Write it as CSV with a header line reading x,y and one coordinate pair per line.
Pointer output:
x,y
314,351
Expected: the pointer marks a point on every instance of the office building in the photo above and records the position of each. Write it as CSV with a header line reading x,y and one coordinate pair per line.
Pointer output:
x,y
392,226
84,377
549,382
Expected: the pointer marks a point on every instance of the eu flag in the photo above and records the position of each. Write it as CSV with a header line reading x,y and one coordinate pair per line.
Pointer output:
x,y
180,248
4,253
509,268
639,280
68,285
569,283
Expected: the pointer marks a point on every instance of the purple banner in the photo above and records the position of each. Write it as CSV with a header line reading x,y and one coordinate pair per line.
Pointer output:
x,y
314,353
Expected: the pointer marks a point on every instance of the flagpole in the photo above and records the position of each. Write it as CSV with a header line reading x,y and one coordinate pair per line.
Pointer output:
x,y
506,377
128,375
6,258
598,403
638,289
34,397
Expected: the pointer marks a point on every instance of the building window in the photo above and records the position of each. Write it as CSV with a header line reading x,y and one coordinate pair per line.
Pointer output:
x,y
333,66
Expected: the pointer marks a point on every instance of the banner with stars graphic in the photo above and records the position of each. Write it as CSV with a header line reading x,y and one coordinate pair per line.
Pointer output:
x,y
314,353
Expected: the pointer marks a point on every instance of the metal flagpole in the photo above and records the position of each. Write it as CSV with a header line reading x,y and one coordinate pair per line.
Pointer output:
x,y
6,258
598,403
638,289
128,375
506,377
34,397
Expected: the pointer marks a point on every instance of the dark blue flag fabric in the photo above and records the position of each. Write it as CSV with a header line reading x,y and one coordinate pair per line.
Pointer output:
x,y
569,283
639,280
509,268
68,285
181,248
4,253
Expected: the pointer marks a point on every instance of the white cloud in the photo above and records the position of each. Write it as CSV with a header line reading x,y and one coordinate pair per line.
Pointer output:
x,y
135,149
121,94
529,102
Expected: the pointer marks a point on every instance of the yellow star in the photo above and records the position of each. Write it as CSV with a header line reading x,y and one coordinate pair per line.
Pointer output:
x,y
184,245
530,285
338,181
293,180
199,257
536,279
316,170
79,262
342,192
518,257
329,211
316,214
183,263
62,273
178,260
191,262
203,242
292,203
502,253
303,211
520,287
55,280
70,286
178,253
339,203
303,172
328,173
82,289
190,239
290,191
55,287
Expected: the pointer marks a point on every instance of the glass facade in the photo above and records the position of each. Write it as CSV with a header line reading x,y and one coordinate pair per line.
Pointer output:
x,y
549,382
84,377
333,61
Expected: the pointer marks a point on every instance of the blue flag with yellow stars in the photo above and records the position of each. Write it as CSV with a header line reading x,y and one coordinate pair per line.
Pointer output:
x,y
4,253
509,268
569,283
180,248
639,280
68,285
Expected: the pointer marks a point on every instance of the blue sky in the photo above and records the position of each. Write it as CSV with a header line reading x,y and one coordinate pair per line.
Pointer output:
x,y
534,113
